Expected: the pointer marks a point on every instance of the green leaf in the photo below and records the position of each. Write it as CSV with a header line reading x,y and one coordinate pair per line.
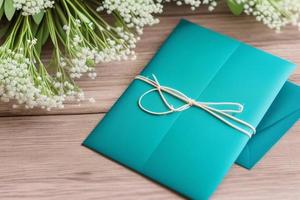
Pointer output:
x,y
46,34
1,12
234,7
9,9
1,3
39,36
42,36
34,28
38,17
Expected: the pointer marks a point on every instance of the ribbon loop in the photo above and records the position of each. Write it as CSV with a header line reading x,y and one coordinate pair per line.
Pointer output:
x,y
223,115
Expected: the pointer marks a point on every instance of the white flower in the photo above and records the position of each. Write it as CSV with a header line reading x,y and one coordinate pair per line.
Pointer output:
x,y
32,7
81,55
274,14
196,3
136,14
18,84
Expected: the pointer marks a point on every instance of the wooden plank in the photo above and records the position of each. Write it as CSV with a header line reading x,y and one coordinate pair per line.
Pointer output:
x,y
39,161
170,9
114,77
42,158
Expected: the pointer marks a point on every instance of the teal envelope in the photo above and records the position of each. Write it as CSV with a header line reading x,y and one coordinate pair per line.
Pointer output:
x,y
283,113
191,151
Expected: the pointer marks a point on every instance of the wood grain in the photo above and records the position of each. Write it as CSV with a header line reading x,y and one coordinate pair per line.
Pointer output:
x,y
42,157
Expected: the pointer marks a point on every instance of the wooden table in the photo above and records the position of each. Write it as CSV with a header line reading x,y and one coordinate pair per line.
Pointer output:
x,y
41,156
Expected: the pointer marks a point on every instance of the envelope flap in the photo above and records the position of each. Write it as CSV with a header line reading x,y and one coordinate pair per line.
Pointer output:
x,y
188,60
285,104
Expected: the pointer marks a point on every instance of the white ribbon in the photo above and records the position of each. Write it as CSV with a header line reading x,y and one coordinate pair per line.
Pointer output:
x,y
223,115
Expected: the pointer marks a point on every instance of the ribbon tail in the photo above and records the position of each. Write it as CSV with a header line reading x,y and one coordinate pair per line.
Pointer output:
x,y
236,107
221,115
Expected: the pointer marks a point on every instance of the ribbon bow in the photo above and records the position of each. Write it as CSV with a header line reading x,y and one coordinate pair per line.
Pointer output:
x,y
223,115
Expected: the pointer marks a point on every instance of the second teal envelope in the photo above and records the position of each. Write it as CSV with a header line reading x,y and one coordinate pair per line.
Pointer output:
x,y
283,113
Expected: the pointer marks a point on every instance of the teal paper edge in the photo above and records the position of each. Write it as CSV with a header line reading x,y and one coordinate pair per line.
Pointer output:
x,y
269,135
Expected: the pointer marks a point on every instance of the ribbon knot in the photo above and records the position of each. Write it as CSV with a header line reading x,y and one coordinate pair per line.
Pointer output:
x,y
191,102
224,115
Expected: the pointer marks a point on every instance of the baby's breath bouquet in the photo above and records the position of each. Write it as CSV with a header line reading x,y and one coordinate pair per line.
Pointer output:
x,y
273,13
81,38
